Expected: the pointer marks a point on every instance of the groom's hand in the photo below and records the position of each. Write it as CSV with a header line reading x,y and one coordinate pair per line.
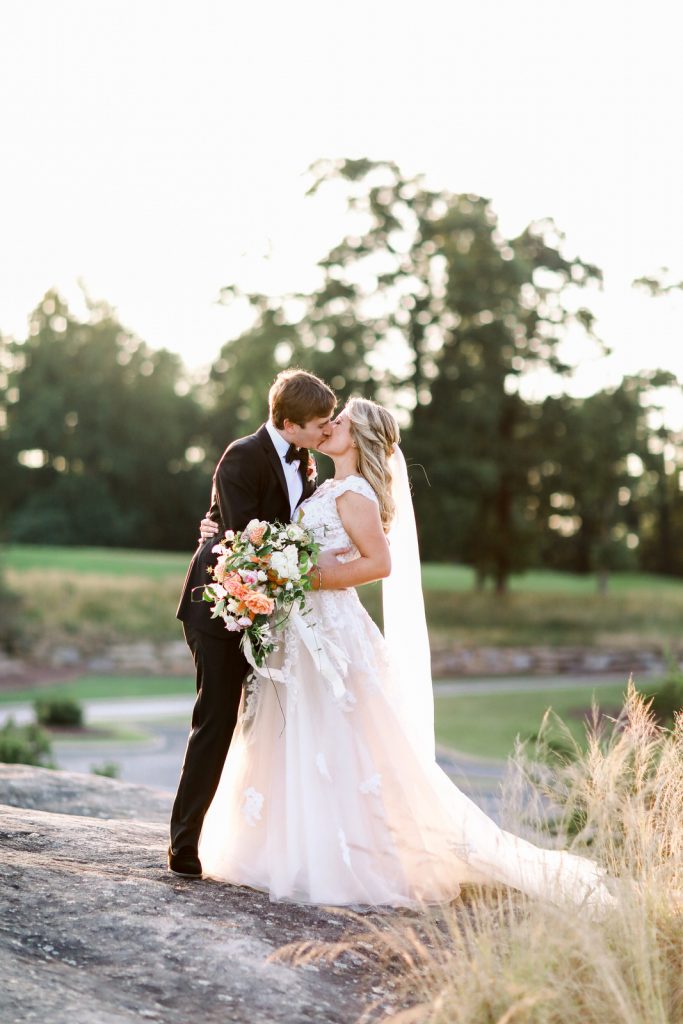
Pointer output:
x,y
207,529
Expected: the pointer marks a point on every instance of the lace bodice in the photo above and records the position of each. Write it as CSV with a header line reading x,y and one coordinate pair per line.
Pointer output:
x,y
320,513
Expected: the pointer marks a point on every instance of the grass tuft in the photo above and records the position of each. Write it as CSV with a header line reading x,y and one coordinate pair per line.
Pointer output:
x,y
496,956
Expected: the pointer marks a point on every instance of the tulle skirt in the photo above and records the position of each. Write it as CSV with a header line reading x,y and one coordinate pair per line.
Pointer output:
x,y
325,798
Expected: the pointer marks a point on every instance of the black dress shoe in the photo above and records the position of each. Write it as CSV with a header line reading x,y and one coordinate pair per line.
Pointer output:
x,y
185,862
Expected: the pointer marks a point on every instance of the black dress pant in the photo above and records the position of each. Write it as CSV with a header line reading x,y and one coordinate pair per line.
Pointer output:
x,y
221,669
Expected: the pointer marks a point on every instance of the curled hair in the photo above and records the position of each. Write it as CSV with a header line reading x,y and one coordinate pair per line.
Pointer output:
x,y
375,432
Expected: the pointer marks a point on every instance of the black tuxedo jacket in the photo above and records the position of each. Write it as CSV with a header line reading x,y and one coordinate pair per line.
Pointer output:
x,y
249,483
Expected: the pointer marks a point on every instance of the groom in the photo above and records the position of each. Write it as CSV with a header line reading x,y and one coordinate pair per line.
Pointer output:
x,y
263,476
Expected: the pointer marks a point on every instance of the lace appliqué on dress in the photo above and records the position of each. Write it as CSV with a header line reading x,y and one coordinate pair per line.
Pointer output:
x,y
251,694
371,785
344,847
289,642
251,808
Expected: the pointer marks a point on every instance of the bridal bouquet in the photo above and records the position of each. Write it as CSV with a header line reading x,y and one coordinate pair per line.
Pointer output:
x,y
261,571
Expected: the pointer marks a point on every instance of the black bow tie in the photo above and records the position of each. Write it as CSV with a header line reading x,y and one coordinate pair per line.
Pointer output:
x,y
293,454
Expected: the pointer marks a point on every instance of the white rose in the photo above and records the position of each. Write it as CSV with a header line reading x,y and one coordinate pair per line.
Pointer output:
x,y
286,563
278,563
294,532
292,553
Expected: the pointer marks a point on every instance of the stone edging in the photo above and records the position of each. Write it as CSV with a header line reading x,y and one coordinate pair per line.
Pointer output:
x,y
169,659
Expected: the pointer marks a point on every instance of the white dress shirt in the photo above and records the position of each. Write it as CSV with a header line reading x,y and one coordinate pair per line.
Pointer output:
x,y
295,484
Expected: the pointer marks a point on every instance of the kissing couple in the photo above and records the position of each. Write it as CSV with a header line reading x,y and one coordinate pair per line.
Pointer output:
x,y
318,783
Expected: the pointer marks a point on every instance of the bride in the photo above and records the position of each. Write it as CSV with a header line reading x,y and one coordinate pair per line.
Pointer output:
x,y
331,792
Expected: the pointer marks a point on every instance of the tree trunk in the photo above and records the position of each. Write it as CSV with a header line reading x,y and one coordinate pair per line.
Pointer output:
x,y
503,504
603,581
503,517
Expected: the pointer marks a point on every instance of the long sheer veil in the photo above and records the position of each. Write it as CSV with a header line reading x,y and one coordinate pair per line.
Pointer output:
x,y
405,624
491,852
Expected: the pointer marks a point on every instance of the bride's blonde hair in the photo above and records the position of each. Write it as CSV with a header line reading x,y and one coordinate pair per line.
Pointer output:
x,y
375,431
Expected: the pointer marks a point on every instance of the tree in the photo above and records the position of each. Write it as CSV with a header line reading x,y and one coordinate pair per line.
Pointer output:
x,y
426,306
596,485
8,466
103,435
237,392
661,547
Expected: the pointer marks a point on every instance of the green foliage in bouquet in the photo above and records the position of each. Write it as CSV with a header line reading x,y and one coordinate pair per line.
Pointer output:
x,y
261,574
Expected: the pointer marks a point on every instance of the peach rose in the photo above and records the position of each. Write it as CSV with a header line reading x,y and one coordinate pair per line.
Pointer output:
x,y
234,586
259,604
220,571
256,534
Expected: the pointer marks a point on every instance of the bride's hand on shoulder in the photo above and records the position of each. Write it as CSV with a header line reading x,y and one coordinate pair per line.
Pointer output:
x,y
361,521
326,564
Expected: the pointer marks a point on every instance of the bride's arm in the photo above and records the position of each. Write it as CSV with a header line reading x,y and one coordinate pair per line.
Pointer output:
x,y
360,518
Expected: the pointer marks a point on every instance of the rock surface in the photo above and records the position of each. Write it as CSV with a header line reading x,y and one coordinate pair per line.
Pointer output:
x,y
453,662
97,931
95,796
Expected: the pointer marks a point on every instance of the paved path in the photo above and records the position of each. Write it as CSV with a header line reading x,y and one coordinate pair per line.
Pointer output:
x,y
157,761
128,709
147,709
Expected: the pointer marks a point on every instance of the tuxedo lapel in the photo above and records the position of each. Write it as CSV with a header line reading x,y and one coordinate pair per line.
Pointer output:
x,y
274,458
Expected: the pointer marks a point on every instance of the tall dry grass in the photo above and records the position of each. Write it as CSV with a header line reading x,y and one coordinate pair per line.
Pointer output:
x,y
91,609
496,956
99,595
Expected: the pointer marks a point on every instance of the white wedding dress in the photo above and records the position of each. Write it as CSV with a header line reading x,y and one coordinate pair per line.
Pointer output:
x,y
327,797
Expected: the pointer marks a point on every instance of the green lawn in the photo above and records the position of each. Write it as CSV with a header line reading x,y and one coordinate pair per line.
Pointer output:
x,y
487,725
112,733
454,578
95,596
153,565
157,565
109,687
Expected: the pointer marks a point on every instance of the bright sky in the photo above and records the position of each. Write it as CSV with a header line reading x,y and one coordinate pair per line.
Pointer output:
x,y
157,150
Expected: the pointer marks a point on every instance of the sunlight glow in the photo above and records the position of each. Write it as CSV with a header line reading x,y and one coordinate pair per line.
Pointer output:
x,y
159,152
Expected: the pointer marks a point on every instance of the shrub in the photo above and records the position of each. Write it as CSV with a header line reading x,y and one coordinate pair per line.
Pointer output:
x,y
109,769
668,699
25,744
58,711
11,618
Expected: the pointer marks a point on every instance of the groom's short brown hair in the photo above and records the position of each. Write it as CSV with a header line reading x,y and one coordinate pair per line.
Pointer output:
x,y
300,397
